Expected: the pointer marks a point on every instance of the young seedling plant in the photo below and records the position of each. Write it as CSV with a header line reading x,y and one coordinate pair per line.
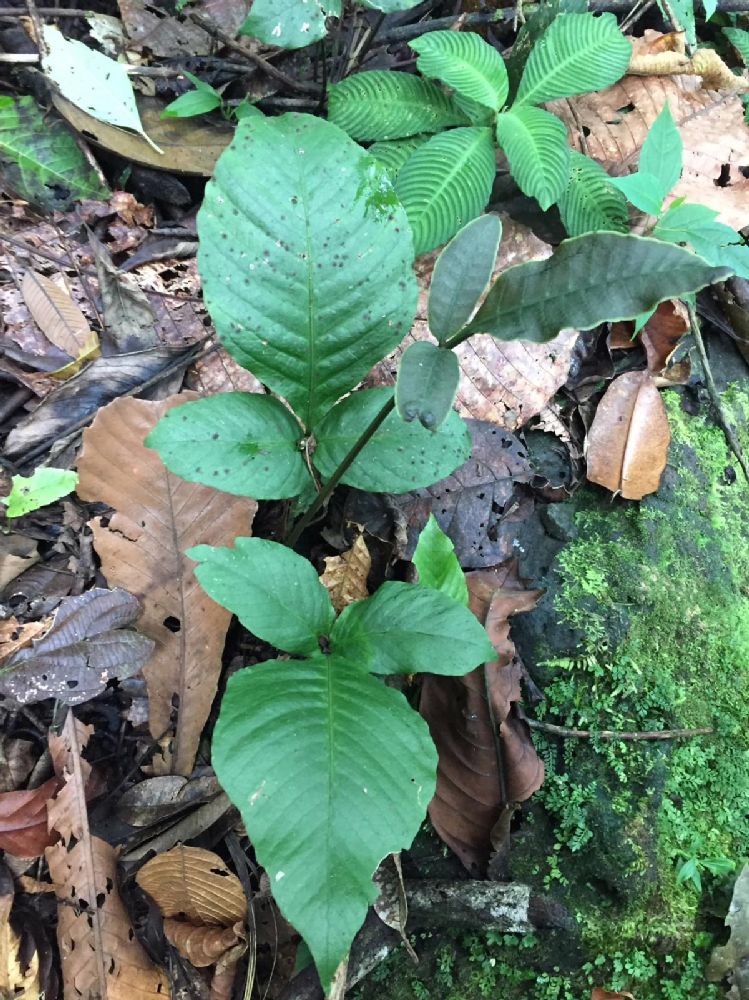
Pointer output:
x,y
306,261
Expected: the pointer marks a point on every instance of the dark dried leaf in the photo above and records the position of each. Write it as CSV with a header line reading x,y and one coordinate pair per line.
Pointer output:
x,y
23,820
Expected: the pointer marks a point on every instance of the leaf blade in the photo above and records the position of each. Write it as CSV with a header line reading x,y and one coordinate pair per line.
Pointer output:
x,y
535,142
426,385
438,566
465,62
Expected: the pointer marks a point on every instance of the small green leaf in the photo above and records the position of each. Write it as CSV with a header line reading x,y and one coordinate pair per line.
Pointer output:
x,y
393,153
404,629
332,770
437,563
679,220
289,24
535,143
591,203
719,866
662,152
465,62
389,6
380,104
246,109
644,191
740,41
461,274
43,487
194,102
399,457
689,872
239,442
446,183
641,320
680,13
427,382
588,280
715,242
274,592
577,54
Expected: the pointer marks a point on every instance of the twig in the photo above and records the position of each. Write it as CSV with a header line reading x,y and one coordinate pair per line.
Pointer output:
x,y
13,12
733,442
610,734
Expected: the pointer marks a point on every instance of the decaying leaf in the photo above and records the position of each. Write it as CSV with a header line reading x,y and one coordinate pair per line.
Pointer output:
x,y
86,647
19,973
128,318
391,906
156,799
627,444
202,945
23,820
732,959
101,957
196,885
17,759
58,317
655,54
142,548
600,994
487,760
15,635
659,337
345,576
17,553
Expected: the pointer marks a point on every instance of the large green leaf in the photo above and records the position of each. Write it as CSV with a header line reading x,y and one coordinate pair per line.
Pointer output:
x,y
331,771
461,274
715,242
305,258
590,202
535,143
446,183
289,24
393,153
438,566
274,592
40,160
427,382
577,53
588,280
239,442
465,62
381,104
404,629
662,152
399,457
530,32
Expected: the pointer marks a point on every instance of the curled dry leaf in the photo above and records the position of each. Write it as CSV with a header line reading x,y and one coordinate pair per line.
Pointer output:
x,y
23,820
486,756
202,945
58,317
142,548
655,54
627,444
85,647
101,957
196,885
345,576
659,337
19,972
15,635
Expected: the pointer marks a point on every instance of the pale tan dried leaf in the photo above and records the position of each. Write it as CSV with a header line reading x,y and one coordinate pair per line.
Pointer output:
x,y
15,635
345,576
58,317
202,945
716,139
600,994
655,54
142,548
627,444
15,983
17,553
391,906
101,957
194,884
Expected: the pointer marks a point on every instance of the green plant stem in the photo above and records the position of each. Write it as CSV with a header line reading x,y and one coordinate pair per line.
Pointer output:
x,y
308,517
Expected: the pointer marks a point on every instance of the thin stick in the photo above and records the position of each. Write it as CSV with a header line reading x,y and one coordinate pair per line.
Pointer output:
x,y
733,442
610,734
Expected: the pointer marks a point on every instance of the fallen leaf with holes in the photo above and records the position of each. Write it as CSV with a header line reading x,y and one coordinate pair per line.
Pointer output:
x,y
23,820
660,338
85,647
345,576
506,383
19,973
158,516
59,319
487,760
616,121
15,635
203,946
195,884
627,444
101,957
657,54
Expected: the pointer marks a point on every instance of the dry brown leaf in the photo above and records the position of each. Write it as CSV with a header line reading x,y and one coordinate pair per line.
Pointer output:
x,y
58,317
19,979
23,820
194,884
506,383
659,337
17,553
15,635
627,444
716,139
202,945
657,54
345,576
600,994
474,788
142,548
101,957
17,760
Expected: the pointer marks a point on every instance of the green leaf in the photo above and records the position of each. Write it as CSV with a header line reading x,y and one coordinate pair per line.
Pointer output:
x,y
274,592
740,41
437,563
662,152
591,203
40,161
399,457
690,873
644,191
393,153
404,629
535,142
461,274
678,221
680,13
331,771
588,280
534,27
715,242
465,62
239,442
427,382
381,104
446,183
289,24
309,282
194,102
577,54
43,487
389,6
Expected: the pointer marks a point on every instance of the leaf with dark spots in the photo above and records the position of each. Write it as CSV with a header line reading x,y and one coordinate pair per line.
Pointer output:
x,y
85,647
